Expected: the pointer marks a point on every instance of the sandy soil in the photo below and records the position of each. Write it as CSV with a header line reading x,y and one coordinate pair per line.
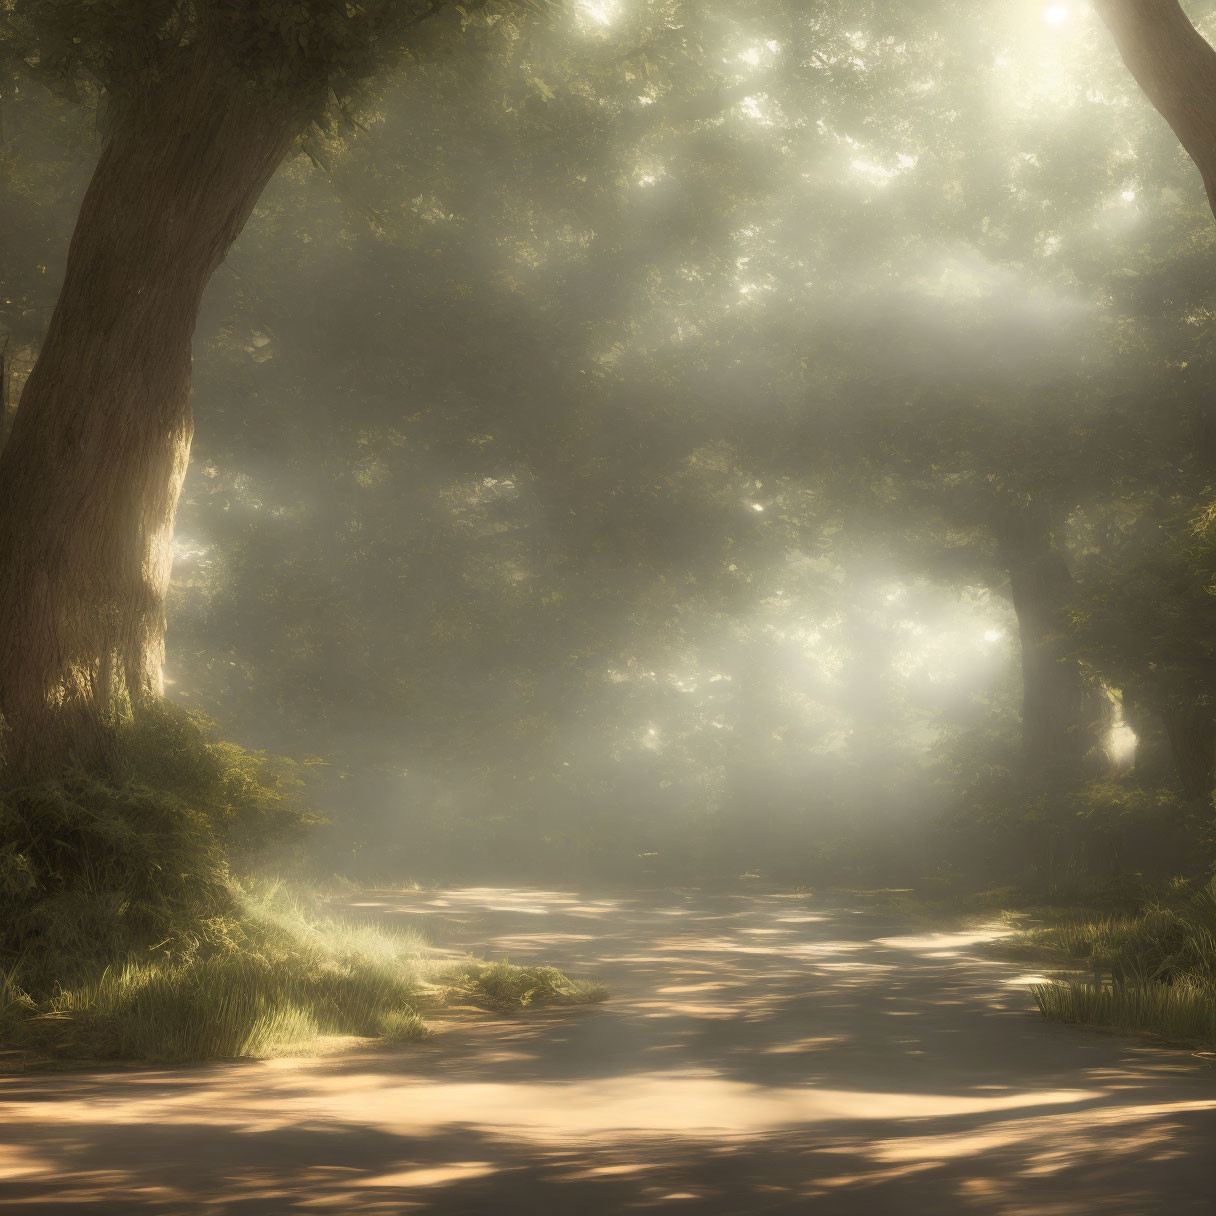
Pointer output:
x,y
760,1053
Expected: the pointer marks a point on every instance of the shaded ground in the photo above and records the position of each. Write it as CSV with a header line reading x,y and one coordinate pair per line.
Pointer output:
x,y
759,1054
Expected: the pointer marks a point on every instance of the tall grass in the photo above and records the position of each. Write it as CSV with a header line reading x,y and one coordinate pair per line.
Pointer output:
x,y
289,977
282,979
1154,972
1182,1012
127,931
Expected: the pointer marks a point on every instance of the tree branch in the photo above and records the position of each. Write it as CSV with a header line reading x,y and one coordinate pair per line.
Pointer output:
x,y
1176,68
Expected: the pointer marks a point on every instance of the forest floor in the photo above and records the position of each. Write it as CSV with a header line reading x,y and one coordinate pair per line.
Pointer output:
x,y
759,1053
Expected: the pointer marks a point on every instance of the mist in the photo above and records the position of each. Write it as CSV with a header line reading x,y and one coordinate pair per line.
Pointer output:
x,y
518,424
612,477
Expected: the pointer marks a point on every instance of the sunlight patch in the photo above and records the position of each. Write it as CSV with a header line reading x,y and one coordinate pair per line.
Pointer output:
x,y
437,1175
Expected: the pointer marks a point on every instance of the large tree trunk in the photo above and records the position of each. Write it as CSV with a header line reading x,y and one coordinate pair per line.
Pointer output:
x,y
1176,68
91,472
5,374
1063,714
1191,730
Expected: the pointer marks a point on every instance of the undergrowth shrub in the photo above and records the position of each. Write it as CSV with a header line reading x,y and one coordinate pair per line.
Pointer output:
x,y
129,928
1154,971
282,977
91,868
251,799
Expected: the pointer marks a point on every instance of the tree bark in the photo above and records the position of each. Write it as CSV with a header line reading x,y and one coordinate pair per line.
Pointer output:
x,y
1176,68
90,475
1191,730
5,373
1063,714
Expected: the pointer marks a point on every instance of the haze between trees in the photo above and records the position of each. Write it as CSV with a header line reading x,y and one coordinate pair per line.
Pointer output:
x,y
578,487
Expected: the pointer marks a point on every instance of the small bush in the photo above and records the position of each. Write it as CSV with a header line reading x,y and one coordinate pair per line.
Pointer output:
x,y
402,1025
92,868
252,800
1106,839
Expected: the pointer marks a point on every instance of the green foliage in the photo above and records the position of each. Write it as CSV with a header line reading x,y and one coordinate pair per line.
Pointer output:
x,y
1138,825
1144,614
1168,939
124,933
1107,838
251,799
307,56
561,555
502,986
282,976
403,1025
1154,971
92,867
1184,1012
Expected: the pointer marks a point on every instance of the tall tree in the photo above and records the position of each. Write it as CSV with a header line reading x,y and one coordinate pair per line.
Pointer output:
x,y
201,103
1176,67
1063,714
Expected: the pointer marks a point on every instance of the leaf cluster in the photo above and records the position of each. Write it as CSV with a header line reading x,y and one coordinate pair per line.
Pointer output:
x,y
92,866
309,57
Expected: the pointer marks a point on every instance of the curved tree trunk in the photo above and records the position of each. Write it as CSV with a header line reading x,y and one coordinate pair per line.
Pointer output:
x,y
1176,68
1063,715
91,472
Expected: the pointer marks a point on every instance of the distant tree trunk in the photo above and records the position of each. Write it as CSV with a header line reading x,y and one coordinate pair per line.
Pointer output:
x,y
1191,730
91,472
1062,714
1176,68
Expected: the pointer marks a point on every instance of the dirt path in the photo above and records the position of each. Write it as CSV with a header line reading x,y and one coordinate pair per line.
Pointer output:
x,y
760,1054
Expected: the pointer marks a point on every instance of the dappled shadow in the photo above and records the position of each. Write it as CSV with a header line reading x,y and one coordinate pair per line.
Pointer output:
x,y
758,1052
313,1166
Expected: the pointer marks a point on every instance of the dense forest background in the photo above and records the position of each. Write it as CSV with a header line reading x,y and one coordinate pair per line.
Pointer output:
x,y
676,440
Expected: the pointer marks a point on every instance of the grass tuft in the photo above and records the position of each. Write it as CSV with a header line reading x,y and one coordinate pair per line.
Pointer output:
x,y
503,986
1183,1012
1154,972
404,1025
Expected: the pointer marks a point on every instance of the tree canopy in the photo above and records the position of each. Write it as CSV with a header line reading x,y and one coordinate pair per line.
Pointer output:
x,y
629,431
